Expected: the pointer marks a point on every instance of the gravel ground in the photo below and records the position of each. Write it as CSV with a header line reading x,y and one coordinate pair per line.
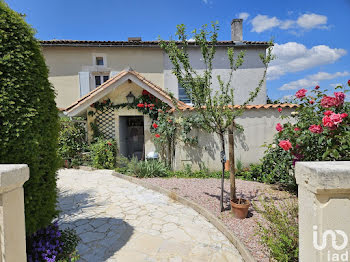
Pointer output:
x,y
206,192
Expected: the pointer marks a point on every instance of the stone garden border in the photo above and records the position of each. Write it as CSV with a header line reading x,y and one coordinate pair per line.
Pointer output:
x,y
204,212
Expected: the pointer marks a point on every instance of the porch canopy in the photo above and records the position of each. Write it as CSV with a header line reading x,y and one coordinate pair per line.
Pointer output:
x,y
79,107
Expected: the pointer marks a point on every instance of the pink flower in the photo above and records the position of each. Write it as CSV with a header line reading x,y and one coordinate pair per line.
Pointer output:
x,y
340,97
336,118
343,115
328,101
279,109
279,127
301,93
332,121
326,121
316,129
311,102
328,112
285,144
297,129
317,87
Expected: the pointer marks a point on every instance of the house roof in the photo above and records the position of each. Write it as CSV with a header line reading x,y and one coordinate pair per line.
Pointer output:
x,y
88,43
127,74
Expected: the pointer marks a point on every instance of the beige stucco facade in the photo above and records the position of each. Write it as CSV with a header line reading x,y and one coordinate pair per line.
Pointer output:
x,y
65,63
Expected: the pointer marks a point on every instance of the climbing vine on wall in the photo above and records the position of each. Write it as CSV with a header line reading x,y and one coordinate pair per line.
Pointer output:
x,y
166,126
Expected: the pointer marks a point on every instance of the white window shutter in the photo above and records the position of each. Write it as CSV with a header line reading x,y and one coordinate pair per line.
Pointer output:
x,y
113,73
84,83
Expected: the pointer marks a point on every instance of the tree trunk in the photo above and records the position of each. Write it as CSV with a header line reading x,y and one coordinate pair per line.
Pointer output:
x,y
231,156
223,160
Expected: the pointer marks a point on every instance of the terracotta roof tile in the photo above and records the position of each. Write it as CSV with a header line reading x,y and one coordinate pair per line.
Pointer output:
x,y
88,43
264,106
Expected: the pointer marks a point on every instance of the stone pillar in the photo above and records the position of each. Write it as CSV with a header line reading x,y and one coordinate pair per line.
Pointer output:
x,y
12,239
324,210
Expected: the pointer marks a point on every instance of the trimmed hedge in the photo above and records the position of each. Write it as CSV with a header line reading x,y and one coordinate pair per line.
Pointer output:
x,y
28,116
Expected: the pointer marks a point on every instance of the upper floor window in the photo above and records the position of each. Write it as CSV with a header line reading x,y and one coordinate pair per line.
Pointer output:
x,y
100,79
183,96
99,61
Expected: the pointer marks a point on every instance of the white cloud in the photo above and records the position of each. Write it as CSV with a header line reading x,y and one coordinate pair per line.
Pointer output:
x,y
309,21
335,85
243,15
263,22
312,80
304,22
294,57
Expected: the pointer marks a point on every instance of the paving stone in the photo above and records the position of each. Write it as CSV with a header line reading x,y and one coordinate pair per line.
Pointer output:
x,y
120,221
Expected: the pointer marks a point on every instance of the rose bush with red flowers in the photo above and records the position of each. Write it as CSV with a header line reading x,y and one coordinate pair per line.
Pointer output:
x,y
323,134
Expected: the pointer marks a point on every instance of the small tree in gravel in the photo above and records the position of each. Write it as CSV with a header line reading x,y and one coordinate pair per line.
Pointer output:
x,y
215,107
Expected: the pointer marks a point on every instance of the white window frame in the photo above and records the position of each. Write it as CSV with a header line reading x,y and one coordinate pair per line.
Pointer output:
x,y
178,93
104,57
101,78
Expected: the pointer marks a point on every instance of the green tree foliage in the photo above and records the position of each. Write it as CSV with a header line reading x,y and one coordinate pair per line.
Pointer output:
x,y
28,116
211,100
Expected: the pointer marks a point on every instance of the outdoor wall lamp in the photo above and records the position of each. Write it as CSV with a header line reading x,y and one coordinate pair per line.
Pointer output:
x,y
130,98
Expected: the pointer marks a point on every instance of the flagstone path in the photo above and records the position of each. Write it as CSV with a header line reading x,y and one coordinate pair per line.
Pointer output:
x,y
121,221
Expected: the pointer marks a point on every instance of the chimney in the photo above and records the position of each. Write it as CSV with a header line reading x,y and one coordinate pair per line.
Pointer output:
x,y
236,30
134,39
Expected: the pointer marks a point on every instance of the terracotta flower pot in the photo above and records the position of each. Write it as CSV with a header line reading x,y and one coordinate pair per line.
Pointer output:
x,y
240,208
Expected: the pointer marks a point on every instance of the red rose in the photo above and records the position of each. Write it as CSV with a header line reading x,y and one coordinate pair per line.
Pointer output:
x,y
104,101
152,105
109,143
311,102
279,109
160,111
151,108
140,105
169,120
301,93
279,127
144,92
328,112
343,115
317,87
328,101
340,97
316,129
285,144
326,121
336,118
297,129
155,125
157,135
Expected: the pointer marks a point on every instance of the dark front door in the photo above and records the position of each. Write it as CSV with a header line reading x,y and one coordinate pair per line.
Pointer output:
x,y
131,135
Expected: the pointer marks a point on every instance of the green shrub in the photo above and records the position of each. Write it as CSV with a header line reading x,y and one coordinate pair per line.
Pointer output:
x,y
279,231
28,117
103,153
318,130
149,168
72,141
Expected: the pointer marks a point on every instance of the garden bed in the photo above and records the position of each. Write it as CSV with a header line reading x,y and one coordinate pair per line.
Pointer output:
x,y
206,192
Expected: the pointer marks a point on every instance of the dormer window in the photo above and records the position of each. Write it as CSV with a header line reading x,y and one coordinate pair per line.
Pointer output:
x,y
99,61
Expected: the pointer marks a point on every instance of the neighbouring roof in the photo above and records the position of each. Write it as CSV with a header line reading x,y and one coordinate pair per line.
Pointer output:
x,y
127,74
87,43
261,106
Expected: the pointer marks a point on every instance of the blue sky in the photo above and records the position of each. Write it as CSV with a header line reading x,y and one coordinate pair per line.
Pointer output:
x,y
312,37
